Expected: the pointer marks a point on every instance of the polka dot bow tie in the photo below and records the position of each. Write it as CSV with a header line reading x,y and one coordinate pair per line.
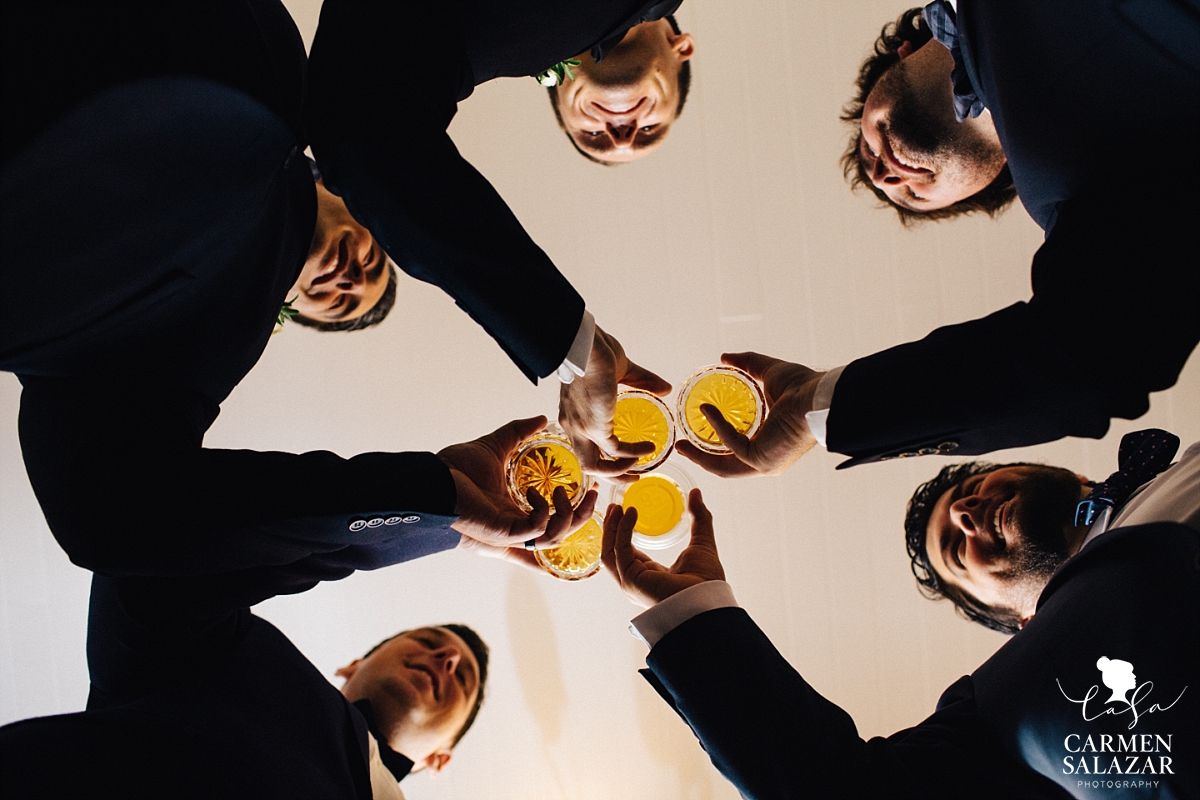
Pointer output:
x,y
1143,454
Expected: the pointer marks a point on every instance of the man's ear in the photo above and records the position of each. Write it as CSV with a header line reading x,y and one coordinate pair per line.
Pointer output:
x,y
347,672
1023,621
683,44
436,761
905,50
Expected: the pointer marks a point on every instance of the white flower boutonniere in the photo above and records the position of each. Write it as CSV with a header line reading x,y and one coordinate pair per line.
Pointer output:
x,y
559,73
285,313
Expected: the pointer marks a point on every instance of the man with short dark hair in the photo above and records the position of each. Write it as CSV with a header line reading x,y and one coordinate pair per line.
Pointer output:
x,y
1118,583
194,696
385,82
620,107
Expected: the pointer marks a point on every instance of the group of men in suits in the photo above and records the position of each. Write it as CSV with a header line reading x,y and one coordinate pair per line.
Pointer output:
x,y
959,105
172,138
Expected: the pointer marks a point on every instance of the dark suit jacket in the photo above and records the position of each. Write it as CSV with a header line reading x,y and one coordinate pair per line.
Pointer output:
x,y
158,247
1086,96
385,80
1005,731
156,208
194,696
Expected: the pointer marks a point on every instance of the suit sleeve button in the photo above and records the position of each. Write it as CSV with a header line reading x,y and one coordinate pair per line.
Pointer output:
x,y
358,524
391,521
410,518
946,447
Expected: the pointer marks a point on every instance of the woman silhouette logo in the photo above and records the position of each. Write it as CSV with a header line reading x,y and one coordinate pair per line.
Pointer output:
x,y
1118,676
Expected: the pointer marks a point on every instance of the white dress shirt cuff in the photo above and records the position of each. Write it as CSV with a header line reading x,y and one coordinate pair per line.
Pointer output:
x,y
657,621
822,400
575,364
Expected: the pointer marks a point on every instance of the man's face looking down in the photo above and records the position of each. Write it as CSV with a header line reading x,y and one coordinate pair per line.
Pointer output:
x,y
422,686
346,271
1000,535
912,147
621,108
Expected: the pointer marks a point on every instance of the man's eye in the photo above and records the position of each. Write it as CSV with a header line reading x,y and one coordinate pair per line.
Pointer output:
x,y
648,128
593,133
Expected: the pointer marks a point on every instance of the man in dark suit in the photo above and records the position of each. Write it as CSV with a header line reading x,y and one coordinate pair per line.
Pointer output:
x,y
953,93
170,137
1081,93
1032,721
192,695
385,81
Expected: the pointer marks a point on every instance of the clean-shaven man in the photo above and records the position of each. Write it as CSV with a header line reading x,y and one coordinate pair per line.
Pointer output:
x,y
192,695
1114,577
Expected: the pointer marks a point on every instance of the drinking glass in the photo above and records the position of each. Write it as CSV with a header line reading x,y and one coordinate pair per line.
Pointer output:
x,y
735,393
639,416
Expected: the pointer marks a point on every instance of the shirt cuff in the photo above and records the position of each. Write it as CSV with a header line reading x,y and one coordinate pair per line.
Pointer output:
x,y
575,363
656,622
822,400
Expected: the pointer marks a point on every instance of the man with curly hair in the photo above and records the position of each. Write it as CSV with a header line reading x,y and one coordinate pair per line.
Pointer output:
x,y
1086,97
908,148
1125,586
1068,96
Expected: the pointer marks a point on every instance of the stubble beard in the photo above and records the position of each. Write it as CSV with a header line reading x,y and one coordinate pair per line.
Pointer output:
x,y
923,129
1044,510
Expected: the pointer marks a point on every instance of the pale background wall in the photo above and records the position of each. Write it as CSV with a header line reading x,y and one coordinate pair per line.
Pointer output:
x,y
738,234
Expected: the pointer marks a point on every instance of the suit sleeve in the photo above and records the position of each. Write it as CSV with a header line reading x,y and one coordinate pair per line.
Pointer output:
x,y
1112,319
384,84
773,736
128,489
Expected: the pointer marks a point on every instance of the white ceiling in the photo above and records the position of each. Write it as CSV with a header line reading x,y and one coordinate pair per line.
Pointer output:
x,y
739,234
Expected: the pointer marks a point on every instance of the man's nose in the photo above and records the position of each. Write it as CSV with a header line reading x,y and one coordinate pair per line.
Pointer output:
x,y
350,276
882,175
964,513
622,133
448,659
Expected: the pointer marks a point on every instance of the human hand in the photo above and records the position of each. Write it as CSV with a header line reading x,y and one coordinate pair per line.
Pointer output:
x,y
585,408
486,511
643,579
784,435
516,555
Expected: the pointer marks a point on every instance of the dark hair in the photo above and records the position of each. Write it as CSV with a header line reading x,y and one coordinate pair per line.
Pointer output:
x,y
916,524
685,83
481,652
910,27
368,320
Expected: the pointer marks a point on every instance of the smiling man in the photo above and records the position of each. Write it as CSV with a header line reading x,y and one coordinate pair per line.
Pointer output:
x,y
989,537
1125,587
962,102
622,101
910,147
347,282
